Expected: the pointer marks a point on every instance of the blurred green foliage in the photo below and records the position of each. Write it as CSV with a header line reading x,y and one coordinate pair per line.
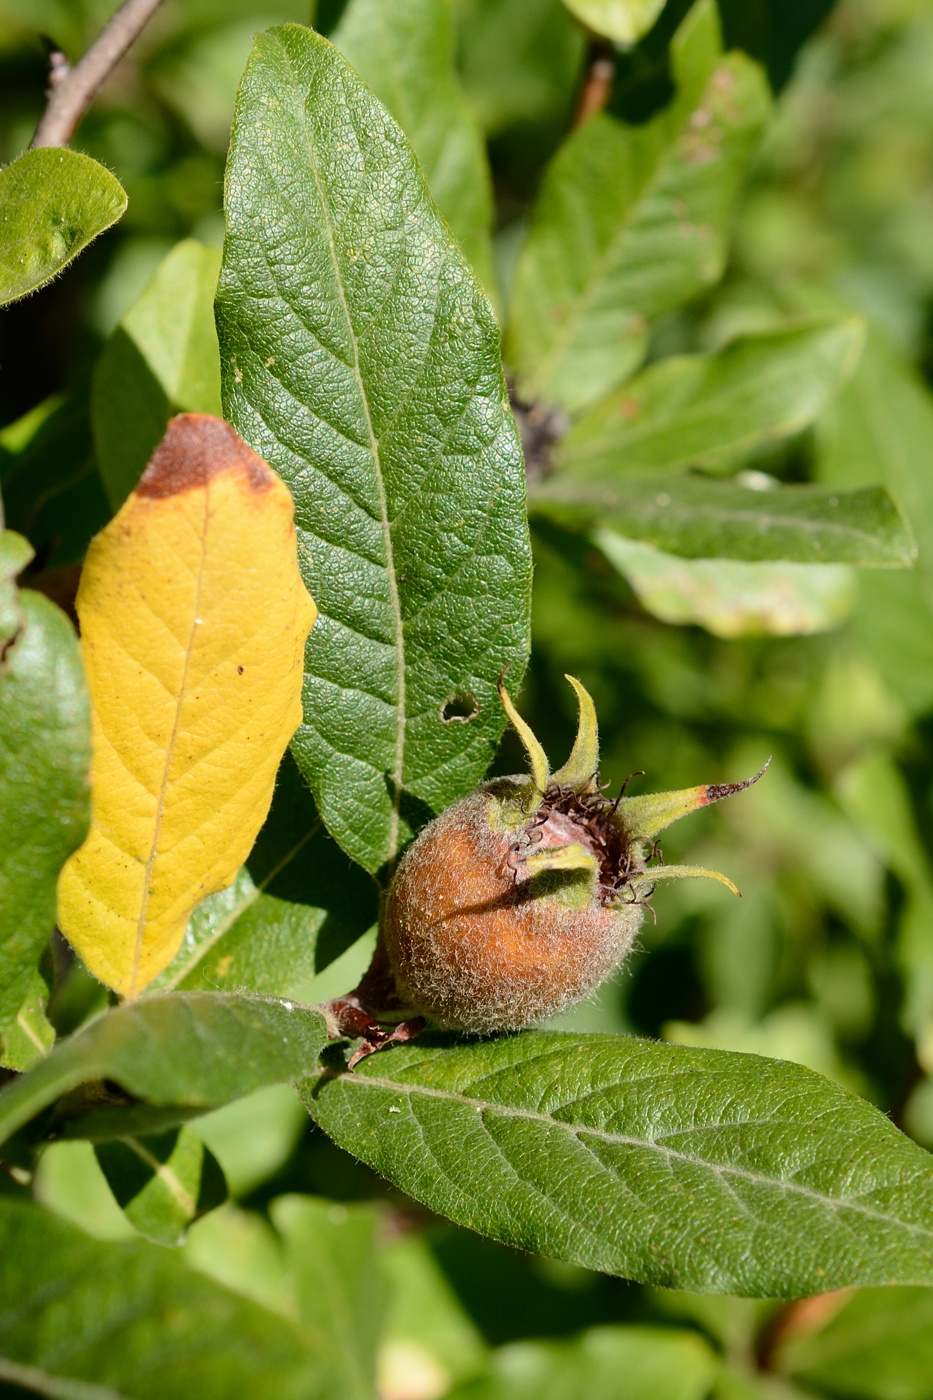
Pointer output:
x,y
828,958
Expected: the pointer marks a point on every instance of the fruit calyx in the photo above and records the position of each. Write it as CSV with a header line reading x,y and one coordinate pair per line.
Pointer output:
x,y
613,839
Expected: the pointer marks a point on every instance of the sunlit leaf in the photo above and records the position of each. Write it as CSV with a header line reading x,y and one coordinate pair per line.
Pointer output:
x,y
161,359
689,1168
703,519
162,1183
90,1320
730,597
53,202
705,410
52,490
621,20
193,620
188,1052
875,1345
614,1363
518,59
881,429
296,905
360,357
404,50
340,1287
28,1036
44,761
631,221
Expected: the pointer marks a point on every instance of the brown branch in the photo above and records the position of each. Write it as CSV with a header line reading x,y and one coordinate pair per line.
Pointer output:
x,y
599,75
71,90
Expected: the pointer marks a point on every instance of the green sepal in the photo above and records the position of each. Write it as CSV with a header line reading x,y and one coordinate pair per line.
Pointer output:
x,y
537,758
561,858
579,772
680,872
569,874
642,818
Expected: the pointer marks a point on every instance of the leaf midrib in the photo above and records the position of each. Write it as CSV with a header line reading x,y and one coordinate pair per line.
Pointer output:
x,y
595,493
165,1174
170,752
576,1131
391,578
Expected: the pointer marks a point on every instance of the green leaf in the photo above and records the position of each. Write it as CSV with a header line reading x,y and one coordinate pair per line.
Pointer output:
x,y
161,359
880,428
519,60
360,358
15,554
164,1182
702,519
624,21
53,202
185,1050
295,906
29,1035
690,1168
404,51
45,755
52,491
730,597
877,1346
331,1252
94,1321
631,222
613,1363
706,410
427,1321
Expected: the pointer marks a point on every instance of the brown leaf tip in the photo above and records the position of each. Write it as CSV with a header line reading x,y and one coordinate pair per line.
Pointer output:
x,y
196,448
715,792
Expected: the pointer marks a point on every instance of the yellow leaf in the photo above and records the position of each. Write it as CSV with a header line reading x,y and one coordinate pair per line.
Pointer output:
x,y
193,623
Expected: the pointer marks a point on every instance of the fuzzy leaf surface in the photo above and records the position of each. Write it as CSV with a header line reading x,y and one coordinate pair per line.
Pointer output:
x,y
615,1363
705,410
90,1320
404,51
192,1050
161,359
703,519
632,221
698,1169
360,357
45,757
53,202
193,622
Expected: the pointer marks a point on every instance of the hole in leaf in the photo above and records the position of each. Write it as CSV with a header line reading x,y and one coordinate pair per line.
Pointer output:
x,y
459,709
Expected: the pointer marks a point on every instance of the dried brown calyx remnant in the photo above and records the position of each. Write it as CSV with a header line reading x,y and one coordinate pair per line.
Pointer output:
x,y
519,899
196,448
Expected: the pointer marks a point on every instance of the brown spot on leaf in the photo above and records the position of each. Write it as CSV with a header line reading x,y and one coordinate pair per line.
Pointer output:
x,y
196,448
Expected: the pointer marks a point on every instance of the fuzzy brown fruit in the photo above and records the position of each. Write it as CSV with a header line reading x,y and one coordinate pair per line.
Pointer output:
x,y
520,899
478,941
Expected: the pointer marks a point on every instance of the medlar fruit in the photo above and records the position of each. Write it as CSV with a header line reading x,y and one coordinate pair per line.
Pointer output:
x,y
518,900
